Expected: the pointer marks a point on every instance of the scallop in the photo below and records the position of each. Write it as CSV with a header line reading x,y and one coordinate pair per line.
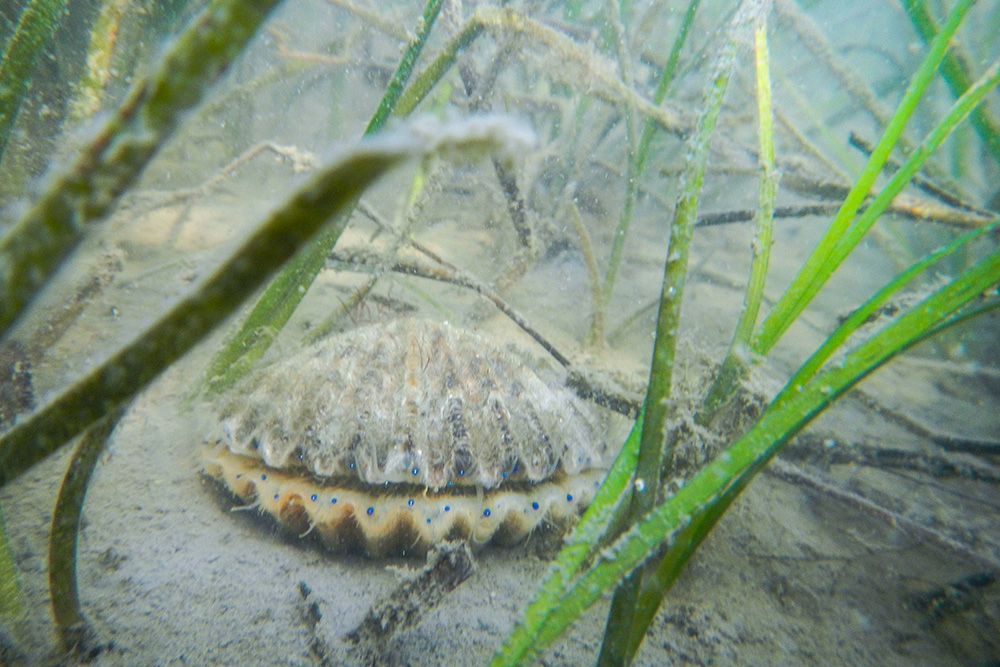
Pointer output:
x,y
392,437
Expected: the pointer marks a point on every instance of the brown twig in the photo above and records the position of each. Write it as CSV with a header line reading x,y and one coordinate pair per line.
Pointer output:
x,y
746,215
448,565
946,441
596,74
478,90
451,273
813,39
597,336
305,56
300,160
311,616
850,79
794,474
922,182
833,452
376,20
602,392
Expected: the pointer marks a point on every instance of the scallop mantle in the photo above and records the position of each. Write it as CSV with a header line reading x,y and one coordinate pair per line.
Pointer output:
x,y
393,437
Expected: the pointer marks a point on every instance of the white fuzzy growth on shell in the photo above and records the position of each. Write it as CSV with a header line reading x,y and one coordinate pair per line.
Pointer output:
x,y
414,402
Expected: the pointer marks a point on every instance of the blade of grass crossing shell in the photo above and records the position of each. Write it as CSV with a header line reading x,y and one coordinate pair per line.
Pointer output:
x,y
577,548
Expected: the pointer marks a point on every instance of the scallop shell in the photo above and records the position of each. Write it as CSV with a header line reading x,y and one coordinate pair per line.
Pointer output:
x,y
392,437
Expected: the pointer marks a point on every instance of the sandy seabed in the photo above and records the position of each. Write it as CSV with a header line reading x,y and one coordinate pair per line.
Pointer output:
x,y
170,576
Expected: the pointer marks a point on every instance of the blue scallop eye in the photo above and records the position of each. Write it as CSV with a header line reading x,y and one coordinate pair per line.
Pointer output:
x,y
313,497
410,502
569,498
333,501
263,477
447,508
415,471
486,513
534,506
371,510
276,496
461,473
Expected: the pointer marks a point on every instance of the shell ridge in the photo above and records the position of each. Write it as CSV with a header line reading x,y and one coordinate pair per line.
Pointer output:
x,y
481,446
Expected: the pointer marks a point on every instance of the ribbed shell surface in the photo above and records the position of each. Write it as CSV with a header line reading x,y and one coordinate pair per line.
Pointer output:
x,y
417,402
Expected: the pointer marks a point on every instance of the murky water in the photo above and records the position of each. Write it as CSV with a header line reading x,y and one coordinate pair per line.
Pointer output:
x,y
872,540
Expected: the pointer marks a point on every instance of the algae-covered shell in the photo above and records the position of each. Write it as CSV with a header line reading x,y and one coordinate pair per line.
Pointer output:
x,y
398,435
